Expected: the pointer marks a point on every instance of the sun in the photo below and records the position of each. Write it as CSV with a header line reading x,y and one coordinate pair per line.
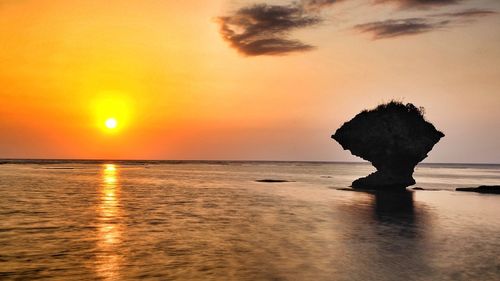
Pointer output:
x,y
111,123
112,112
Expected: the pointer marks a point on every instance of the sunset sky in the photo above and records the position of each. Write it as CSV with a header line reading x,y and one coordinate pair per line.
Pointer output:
x,y
255,80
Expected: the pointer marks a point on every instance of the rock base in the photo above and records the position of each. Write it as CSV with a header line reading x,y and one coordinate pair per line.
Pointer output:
x,y
379,180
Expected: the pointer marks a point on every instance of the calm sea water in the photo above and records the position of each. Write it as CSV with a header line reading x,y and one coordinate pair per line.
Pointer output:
x,y
212,221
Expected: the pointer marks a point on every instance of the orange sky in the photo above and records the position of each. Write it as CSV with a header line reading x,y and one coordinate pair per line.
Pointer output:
x,y
179,91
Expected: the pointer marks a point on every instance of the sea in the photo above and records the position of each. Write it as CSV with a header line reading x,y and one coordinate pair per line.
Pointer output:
x,y
213,220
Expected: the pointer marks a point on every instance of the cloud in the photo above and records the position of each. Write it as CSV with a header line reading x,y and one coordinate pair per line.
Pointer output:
x,y
317,4
421,3
470,13
400,27
263,29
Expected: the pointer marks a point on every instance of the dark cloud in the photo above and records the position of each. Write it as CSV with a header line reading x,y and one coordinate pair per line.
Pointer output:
x,y
471,13
264,29
317,4
400,27
421,3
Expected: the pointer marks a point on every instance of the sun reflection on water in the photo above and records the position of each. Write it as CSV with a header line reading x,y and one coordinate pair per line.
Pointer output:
x,y
110,227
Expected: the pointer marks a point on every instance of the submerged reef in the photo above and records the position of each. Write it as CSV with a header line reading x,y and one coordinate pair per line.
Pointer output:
x,y
394,137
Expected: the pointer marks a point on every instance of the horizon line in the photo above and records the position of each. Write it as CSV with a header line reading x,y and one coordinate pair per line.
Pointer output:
x,y
227,160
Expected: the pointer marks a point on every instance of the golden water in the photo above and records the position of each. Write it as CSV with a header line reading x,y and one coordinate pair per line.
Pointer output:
x,y
212,221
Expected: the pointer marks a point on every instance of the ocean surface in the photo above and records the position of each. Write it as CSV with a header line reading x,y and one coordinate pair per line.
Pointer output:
x,y
119,220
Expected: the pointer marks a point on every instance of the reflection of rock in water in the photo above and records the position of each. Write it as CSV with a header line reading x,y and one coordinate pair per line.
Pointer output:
x,y
394,204
401,227
397,209
387,237
394,137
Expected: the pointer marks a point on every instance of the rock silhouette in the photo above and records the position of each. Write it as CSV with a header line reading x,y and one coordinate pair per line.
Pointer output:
x,y
272,181
394,137
490,189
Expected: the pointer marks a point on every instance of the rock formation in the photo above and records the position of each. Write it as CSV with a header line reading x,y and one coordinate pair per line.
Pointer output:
x,y
394,137
490,189
272,181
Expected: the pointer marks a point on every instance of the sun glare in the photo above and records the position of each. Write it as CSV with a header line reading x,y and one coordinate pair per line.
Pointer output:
x,y
112,111
111,123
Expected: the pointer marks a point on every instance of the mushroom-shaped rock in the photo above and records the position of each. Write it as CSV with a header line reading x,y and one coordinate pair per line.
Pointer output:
x,y
394,137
